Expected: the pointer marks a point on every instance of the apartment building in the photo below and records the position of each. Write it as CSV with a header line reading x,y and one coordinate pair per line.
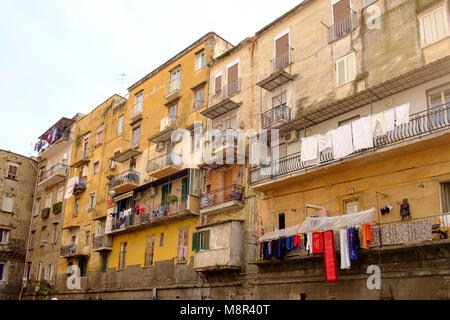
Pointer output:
x,y
17,183
54,147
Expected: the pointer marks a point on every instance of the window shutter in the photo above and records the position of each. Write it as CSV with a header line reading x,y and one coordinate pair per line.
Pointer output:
x,y
218,84
206,240
233,73
341,71
440,23
195,241
350,67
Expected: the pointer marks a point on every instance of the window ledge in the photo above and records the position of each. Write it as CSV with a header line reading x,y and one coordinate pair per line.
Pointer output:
x,y
7,212
437,41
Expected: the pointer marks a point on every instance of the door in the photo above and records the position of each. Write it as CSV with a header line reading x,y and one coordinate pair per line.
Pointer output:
x,y
228,185
166,190
341,10
282,52
184,189
175,80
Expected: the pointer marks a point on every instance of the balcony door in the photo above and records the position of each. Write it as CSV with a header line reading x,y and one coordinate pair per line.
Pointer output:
x,y
175,80
227,184
341,10
281,52
233,73
165,191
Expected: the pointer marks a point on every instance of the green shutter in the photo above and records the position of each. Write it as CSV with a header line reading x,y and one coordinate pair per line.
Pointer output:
x,y
206,240
195,241
184,189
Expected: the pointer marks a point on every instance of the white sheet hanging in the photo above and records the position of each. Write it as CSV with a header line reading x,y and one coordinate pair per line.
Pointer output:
x,y
320,224
389,119
402,114
362,133
309,149
342,141
345,255
325,141
287,232
378,126
70,187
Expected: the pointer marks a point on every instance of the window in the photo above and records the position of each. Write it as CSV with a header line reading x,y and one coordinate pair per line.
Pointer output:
x,y
279,100
281,52
55,234
86,239
37,207
95,170
279,221
38,272
433,26
7,204
445,192
345,69
91,203
199,60
47,272
4,235
233,83
120,125
2,270
48,200
218,84
43,236
73,240
149,247
172,113
351,206
82,264
199,98
175,80
12,171
183,244
69,269
200,240
33,233
123,255
60,194
77,208
85,148
346,121
439,103
100,135
104,263
161,239
139,102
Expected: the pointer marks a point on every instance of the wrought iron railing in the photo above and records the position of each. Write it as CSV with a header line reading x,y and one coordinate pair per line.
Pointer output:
x,y
173,85
231,88
136,110
129,176
56,169
151,214
342,27
135,142
222,195
420,123
281,61
279,113
168,159
103,241
68,250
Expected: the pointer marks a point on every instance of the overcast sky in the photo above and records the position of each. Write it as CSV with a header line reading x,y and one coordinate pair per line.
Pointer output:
x,y
60,57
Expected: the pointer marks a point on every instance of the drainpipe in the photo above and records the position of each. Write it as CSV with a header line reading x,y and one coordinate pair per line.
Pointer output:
x,y
29,227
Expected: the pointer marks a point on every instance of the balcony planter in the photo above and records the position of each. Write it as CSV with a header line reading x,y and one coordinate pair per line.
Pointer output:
x,y
172,198
45,213
57,207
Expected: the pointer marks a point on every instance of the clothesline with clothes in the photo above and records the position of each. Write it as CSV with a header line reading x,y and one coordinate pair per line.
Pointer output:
x,y
53,135
354,136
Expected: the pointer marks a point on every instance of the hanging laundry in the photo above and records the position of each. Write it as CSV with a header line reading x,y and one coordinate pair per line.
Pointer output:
x,y
329,257
389,119
352,244
324,141
309,247
54,135
309,149
402,114
367,235
378,126
317,242
296,241
342,141
142,211
345,250
362,133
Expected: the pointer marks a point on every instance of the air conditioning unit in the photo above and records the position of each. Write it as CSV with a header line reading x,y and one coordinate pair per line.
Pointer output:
x,y
160,146
153,192
291,137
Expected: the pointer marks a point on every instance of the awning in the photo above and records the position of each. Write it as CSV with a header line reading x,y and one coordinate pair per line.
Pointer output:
x,y
318,224
287,232
123,196
126,155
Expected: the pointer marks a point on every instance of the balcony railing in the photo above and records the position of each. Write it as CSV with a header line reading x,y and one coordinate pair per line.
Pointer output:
x,y
232,88
163,161
152,214
274,115
281,61
56,169
420,123
101,242
129,176
60,136
173,86
342,27
222,195
135,142
136,111
68,250
80,187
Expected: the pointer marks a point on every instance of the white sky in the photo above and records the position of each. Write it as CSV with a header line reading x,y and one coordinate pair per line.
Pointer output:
x,y
60,57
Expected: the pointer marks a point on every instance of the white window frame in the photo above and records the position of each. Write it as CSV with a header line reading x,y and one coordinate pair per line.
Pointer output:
x,y
37,207
139,102
278,36
55,233
202,57
4,236
213,87
6,207
120,122
60,194
96,165
347,77
91,204
48,200
432,13
100,129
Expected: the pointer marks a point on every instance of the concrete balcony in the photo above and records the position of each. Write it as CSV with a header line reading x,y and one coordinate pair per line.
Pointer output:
x,y
276,117
102,243
223,199
164,165
125,181
80,187
222,102
342,27
173,89
136,112
62,142
52,176
225,247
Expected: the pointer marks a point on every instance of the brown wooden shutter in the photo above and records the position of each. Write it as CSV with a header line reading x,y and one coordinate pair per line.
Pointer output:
x,y
282,45
232,74
218,84
341,10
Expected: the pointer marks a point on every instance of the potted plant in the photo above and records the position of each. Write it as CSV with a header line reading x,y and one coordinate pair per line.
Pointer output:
x,y
172,198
